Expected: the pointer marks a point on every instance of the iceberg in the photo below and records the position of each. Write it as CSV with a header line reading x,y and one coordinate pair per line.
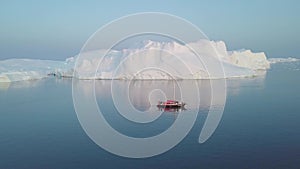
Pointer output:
x,y
203,59
12,70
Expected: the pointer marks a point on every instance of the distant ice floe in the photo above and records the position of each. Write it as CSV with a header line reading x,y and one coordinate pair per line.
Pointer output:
x,y
283,60
151,60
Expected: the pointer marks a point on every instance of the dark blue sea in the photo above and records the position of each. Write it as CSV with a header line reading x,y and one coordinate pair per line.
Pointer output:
x,y
259,128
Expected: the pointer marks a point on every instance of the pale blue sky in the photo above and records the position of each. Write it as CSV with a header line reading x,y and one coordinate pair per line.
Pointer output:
x,y
53,29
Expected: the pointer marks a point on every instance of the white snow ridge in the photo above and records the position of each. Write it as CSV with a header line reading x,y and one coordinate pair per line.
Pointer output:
x,y
151,60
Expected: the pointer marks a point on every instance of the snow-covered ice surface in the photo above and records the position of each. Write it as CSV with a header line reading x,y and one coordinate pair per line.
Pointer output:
x,y
150,60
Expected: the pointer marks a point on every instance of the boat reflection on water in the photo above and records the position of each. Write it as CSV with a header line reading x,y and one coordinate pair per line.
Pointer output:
x,y
171,109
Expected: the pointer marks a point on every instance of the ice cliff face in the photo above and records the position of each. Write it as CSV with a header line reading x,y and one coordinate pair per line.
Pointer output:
x,y
240,58
149,60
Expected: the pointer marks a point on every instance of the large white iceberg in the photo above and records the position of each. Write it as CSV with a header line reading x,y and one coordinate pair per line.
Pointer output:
x,y
149,60
170,60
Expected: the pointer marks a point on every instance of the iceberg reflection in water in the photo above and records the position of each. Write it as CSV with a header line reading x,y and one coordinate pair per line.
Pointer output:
x,y
99,104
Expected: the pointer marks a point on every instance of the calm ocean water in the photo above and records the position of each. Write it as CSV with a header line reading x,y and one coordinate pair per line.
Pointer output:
x,y
260,127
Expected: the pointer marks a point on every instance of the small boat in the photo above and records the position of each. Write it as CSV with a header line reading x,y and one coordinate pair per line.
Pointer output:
x,y
170,104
